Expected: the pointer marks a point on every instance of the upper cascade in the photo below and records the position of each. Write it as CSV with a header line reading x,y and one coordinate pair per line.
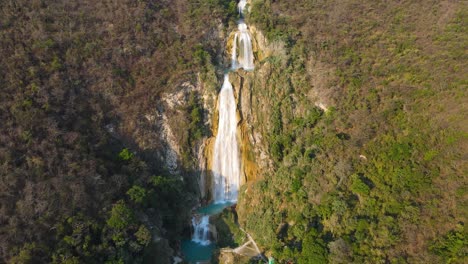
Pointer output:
x,y
241,6
242,53
226,160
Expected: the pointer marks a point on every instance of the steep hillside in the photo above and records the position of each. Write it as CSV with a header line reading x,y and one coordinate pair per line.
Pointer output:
x,y
352,127
362,106
87,167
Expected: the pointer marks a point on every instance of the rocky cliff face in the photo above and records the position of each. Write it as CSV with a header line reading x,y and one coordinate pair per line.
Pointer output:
x,y
257,94
254,155
168,112
174,130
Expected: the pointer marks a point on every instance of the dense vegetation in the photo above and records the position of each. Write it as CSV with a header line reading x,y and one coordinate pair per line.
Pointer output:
x,y
79,158
376,176
380,175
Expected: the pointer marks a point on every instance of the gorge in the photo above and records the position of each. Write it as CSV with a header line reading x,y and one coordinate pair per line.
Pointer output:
x,y
233,131
226,156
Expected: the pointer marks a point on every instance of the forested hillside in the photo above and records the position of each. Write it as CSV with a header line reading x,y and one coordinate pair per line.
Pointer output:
x,y
363,107
357,108
80,177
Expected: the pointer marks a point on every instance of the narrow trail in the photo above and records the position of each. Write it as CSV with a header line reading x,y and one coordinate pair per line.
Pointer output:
x,y
246,249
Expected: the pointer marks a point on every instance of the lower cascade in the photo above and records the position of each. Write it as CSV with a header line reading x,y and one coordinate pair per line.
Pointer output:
x,y
226,160
201,227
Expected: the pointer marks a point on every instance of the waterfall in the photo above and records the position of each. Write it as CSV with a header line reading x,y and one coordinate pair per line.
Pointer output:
x,y
241,5
245,57
226,156
201,227
226,161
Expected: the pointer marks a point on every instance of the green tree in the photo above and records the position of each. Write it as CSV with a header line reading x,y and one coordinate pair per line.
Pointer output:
x,y
137,194
121,216
125,154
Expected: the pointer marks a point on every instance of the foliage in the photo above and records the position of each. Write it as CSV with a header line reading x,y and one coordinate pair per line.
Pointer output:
x,y
125,155
373,178
143,235
197,126
359,187
121,216
80,83
313,250
227,228
452,247
137,194
25,254
373,173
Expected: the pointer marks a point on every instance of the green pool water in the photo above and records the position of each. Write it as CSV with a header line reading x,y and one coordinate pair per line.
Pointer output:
x,y
194,252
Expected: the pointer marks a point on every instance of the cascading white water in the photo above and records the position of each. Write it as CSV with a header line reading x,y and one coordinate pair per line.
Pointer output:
x,y
226,161
245,57
241,5
201,227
